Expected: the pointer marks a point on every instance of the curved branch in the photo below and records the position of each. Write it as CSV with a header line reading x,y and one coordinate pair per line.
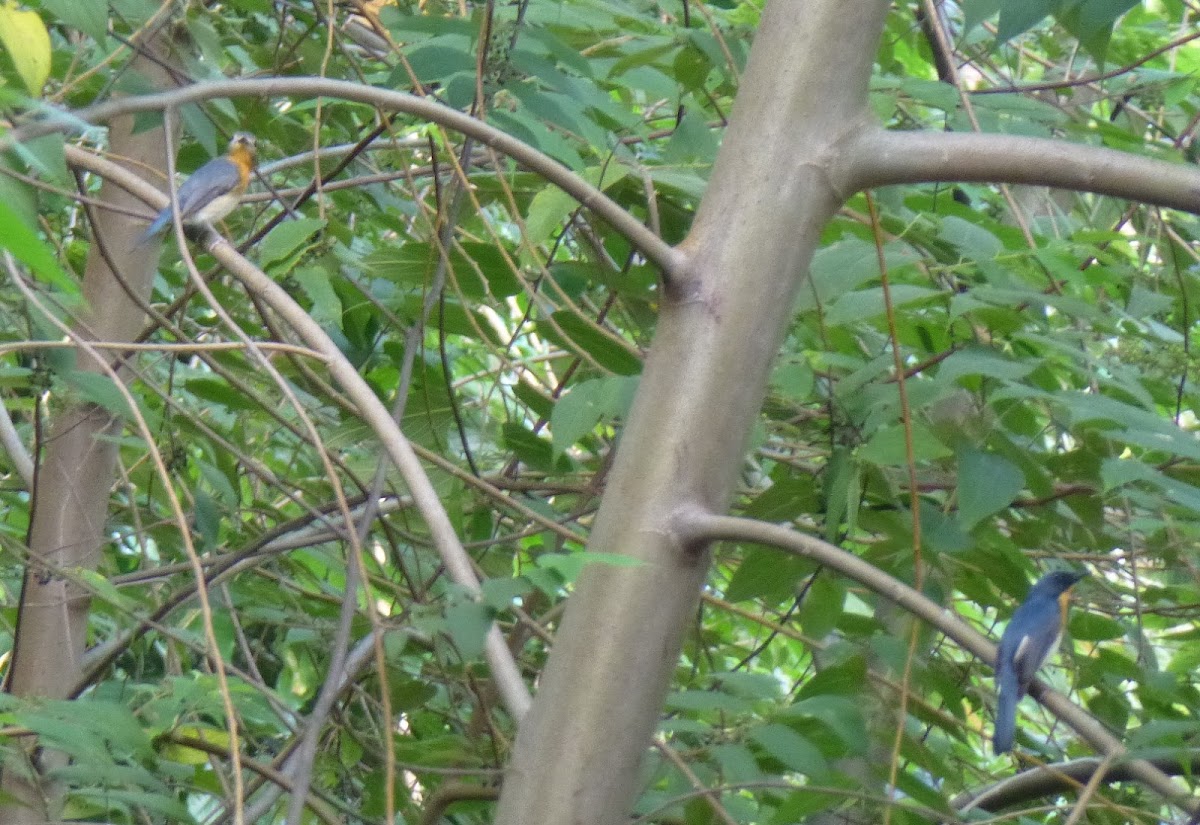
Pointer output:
x,y
10,441
697,527
1062,777
652,246
375,415
453,792
878,157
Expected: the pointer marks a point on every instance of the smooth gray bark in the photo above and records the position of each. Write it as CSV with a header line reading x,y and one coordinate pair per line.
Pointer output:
x,y
773,188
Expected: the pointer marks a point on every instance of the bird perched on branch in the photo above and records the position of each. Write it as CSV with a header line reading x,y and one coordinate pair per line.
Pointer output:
x,y
213,190
1031,637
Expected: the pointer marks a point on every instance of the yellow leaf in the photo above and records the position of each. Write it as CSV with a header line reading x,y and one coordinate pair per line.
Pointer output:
x,y
177,751
24,37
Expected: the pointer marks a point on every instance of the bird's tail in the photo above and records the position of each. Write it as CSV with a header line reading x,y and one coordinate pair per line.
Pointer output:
x,y
154,228
1006,709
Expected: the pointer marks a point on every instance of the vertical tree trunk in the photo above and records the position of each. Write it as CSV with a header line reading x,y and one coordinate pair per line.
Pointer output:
x,y
70,502
776,182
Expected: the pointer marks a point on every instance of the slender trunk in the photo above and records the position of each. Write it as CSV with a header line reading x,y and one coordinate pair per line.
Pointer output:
x,y
75,474
773,188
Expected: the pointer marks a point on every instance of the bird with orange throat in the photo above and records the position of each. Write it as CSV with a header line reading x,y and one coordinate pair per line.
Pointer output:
x,y
213,190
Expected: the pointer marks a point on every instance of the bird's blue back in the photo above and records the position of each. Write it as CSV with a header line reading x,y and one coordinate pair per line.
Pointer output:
x,y
217,177
1031,636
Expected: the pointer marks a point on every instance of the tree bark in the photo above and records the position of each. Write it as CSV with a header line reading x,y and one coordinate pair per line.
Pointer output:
x,y
774,186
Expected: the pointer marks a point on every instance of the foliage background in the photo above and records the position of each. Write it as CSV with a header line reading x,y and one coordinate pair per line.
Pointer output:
x,y
1046,339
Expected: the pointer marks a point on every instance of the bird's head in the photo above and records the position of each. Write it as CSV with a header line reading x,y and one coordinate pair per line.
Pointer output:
x,y
242,147
1056,583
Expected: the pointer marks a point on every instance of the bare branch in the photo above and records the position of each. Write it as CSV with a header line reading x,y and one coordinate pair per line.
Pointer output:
x,y
882,158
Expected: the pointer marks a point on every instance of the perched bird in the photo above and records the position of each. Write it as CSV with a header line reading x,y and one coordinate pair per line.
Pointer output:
x,y
213,190
1031,637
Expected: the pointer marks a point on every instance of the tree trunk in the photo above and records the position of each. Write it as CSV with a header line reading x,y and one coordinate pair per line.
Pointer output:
x,y
73,481
774,186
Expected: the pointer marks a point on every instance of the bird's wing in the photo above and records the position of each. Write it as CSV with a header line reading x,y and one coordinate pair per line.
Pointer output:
x,y
1038,627
218,177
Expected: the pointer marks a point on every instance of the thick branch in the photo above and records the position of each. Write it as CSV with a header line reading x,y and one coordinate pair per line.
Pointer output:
x,y
882,158
1062,777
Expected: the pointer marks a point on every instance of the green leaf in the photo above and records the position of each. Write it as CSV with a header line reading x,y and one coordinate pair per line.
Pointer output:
x,y
793,378
1145,303
941,532
200,126
1017,16
869,303
440,57
748,684
842,491
788,498
986,362
20,200
688,182
416,28
501,594
162,803
219,392
528,447
887,447
526,126
1117,472
1092,627
972,240
326,306
822,605
479,270
468,622
572,333
104,589
100,390
551,206
701,701
692,139
932,93
736,763
794,751
569,565
207,517
89,18
987,483
17,237
287,240
1092,21
976,11
841,714
578,411
411,694
47,157
840,267
766,574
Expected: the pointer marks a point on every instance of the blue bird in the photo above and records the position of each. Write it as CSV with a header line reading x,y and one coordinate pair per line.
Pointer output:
x,y
1031,637
213,190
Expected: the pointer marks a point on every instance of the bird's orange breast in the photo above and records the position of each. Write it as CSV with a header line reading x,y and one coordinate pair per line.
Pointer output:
x,y
243,158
